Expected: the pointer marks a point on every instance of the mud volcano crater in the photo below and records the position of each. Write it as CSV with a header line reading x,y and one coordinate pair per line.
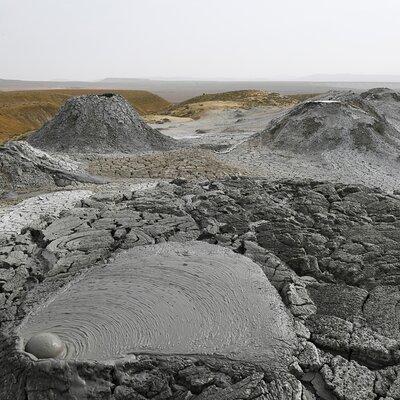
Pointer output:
x,y
192,298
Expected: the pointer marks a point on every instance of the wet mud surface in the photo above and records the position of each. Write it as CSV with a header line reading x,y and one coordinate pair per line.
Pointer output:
x,y
174,298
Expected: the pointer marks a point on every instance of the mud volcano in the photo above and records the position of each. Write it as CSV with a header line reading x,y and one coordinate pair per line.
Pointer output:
x,y
344,121
191,298
99,124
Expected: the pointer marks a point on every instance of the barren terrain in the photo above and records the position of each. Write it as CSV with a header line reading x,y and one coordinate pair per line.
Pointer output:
x,y
244,249
25,111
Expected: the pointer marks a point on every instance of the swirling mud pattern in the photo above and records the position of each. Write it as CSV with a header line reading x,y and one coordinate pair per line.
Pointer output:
x,y
172,298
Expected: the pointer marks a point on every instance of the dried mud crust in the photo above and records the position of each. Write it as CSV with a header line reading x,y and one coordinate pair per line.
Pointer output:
x,y
187,164
331,251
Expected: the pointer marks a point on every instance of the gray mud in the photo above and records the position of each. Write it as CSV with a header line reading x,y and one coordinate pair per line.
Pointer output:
x,y
220,129
29,212
191,298
349,166
99,124
330,248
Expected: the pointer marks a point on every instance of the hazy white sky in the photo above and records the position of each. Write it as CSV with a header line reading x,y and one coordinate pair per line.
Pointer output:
x,y
242,39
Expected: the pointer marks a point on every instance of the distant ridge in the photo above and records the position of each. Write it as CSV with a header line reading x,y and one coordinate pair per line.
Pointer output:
x,y
179,90
350,78
123,80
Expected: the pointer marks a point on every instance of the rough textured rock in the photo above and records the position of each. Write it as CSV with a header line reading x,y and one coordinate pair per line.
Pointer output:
x,y
367,122
331,251
23,167
99,124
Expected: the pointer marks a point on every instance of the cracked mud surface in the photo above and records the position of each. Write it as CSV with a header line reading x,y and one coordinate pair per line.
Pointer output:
x,y
188,164
330,250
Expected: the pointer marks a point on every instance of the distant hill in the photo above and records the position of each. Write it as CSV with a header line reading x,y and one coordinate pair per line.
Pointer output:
x,y
25,111
249,98
197,106
174,91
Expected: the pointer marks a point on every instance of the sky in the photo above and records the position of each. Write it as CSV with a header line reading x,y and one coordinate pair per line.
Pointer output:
x,y
200,39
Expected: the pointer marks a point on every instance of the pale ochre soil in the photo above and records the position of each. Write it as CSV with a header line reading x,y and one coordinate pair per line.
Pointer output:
x,y
197,110
198,106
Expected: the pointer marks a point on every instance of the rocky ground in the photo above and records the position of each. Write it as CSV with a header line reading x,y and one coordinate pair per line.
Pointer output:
x,y
331,252
327,239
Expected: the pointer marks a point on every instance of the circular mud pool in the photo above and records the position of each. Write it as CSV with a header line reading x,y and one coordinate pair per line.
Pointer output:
x,y
172,298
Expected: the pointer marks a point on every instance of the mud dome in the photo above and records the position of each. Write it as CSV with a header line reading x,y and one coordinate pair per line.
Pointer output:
x,y
192,298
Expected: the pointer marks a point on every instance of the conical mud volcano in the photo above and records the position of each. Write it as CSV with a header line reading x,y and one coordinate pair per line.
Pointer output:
x,y
99,124
344,121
